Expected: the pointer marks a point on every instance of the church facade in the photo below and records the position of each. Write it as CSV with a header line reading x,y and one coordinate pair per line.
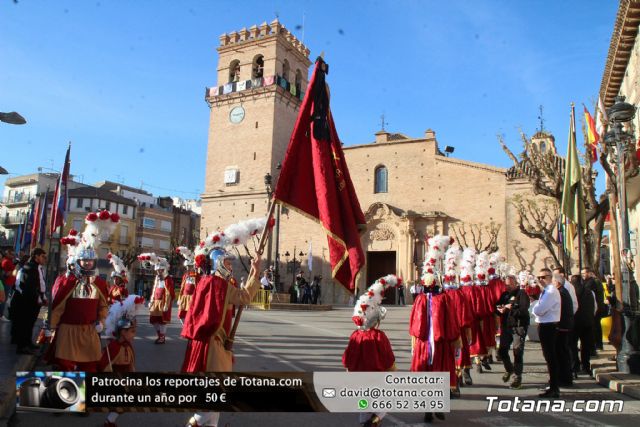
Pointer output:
x,y
407,186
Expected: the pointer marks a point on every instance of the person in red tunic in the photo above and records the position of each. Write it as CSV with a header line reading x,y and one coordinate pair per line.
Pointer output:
x,y
162,294
487,308
188,284
470,338
496,288
72,240
208,323
118,292
119,355
433,326
80,306
369,349
458,301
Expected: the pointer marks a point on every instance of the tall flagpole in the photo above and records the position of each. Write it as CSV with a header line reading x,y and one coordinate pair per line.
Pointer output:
x,y
578,190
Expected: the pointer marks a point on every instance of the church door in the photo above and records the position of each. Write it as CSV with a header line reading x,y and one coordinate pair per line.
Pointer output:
x,y
380,264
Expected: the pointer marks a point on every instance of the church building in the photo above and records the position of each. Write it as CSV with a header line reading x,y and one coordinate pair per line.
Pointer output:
x,y
407,186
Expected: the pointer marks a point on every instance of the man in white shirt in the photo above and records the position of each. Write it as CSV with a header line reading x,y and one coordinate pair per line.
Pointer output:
x,y
568,286
414,291
547,312
265,282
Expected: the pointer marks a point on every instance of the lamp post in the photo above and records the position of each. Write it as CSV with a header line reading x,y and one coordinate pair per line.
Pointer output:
x,y
628,360
267,183
276,263
293,262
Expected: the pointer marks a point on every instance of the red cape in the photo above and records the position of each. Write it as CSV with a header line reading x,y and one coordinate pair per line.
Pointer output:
x,y
368,351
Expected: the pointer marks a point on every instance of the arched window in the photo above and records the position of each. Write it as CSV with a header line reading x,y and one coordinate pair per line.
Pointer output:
x,y
543,147
234,71
257,69
285,70
381,178
298,81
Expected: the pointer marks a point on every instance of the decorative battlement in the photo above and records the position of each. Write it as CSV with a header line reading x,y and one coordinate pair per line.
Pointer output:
x,y
264,30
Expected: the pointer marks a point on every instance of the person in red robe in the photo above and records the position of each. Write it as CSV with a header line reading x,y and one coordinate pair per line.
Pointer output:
x,y
433,324
188,284
80,307
119,355
469,294
369,349
484,337
208,322
458,302
118,291
162,294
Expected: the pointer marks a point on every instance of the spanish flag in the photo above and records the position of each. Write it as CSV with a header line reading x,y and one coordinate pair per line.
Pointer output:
x,y
592,135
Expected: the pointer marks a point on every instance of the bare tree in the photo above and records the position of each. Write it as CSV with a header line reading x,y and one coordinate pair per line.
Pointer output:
x,y
480,236
544,169
129,256
537,219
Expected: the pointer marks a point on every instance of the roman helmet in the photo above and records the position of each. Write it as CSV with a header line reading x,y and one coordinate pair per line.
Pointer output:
x,y
217,245
99,226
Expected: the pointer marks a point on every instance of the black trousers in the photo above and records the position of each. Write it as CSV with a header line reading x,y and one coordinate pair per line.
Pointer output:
x,y
564,356
584,332
597,333
515,336
23,316
547,333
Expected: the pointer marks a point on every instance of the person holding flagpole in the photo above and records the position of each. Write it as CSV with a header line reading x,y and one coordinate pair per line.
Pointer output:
x,y
208,323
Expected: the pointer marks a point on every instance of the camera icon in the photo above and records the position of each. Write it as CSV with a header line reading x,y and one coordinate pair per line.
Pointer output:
x,y
329,392
52,392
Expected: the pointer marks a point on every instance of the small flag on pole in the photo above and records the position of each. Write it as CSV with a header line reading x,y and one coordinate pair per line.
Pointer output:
x,y
42,231
35,224
592,135
60,195
572,199
601,118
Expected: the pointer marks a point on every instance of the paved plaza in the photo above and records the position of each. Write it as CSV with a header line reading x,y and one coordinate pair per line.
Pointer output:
x,y
314,341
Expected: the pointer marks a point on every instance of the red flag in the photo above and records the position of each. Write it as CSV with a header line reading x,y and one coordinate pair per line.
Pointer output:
x,y
60,196
35,228
315,181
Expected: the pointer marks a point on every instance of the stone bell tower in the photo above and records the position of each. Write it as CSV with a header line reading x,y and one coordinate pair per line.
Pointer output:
x,y
262,78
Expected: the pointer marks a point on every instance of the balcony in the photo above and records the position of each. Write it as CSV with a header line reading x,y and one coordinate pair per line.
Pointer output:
x,y
293,88
18,199
10,220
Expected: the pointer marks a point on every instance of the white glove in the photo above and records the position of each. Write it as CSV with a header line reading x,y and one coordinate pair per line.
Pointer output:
x,y
99,327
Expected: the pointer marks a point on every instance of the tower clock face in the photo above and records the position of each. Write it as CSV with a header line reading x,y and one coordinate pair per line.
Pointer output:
x,y
236,115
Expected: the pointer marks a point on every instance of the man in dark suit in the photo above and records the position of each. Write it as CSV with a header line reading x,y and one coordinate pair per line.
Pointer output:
x,y
28,297
593,284
583,326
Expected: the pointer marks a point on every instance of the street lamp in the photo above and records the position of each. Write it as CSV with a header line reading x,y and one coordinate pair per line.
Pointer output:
x,y
267,184
628,360
12,118
276,269
291,265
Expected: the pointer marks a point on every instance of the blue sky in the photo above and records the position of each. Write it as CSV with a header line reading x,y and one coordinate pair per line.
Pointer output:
x,y
124,81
